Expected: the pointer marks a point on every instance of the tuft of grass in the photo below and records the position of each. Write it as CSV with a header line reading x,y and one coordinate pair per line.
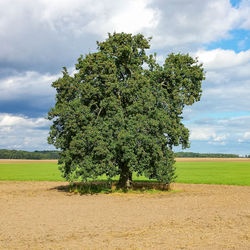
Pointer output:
x,y
106,187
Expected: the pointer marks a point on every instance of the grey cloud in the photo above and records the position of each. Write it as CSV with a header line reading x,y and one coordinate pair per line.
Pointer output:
x,y
28,93
46,35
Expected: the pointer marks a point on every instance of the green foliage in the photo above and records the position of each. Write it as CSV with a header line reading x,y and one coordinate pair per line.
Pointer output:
x,y
121,112
36,155
205,155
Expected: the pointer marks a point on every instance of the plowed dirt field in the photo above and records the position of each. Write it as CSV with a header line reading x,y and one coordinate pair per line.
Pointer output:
x,y
37,215
177,159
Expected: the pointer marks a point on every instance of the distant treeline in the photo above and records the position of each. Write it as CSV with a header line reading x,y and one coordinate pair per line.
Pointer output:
x,y
205,155
36,155
51,155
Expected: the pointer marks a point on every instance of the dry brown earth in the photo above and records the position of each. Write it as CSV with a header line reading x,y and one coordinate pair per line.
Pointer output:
x,y
213,159
177,159
36,215
9,161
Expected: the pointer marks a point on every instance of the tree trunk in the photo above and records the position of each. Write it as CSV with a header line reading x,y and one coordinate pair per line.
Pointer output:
x,y
125,180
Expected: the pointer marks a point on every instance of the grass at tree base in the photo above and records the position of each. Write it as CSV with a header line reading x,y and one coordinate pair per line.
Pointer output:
x,y
95,187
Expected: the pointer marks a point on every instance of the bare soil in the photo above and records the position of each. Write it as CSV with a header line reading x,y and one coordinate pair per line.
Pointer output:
x,y
39,215
213,159
4,161
9,161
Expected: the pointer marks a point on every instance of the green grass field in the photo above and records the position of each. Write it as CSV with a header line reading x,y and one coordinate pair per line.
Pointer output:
x,y
39,171
230,173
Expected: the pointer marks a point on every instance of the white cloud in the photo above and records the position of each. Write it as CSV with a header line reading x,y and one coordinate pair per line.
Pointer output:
x,y
186,24
222,59
19,132
27,85
227,85
48,34
247,135
45,35
202,133
244,8
99,16
220,138
229,134
7,120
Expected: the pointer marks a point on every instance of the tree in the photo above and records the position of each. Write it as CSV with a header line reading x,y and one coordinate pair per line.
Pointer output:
x,y
121,112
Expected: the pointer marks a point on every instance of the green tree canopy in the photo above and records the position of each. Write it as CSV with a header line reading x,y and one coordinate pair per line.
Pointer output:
x,y
121,112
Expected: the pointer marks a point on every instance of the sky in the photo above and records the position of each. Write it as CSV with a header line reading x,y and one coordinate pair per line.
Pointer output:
x,y
39,37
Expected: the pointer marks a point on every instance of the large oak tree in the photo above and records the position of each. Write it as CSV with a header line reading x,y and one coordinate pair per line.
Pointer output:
x,y
122,111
